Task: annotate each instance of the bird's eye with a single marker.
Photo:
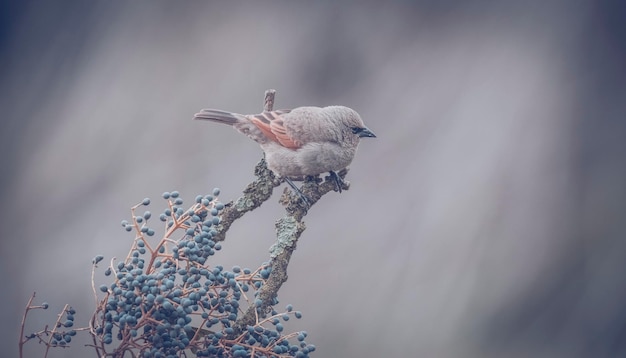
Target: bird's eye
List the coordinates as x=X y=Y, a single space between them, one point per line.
x=356 y=130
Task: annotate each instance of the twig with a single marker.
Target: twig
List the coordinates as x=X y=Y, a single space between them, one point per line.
x=22 y=341
x=93 y=284
x=57 y=324
x=268 y=103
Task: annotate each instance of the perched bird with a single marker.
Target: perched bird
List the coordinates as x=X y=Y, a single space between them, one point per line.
x=304 y=141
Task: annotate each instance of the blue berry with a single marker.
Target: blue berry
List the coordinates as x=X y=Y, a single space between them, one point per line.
x=97 y=259
x=216 y=192
x=265 y=273
x=45 y=305
x=166 y=195
x=174 y=194
x=146 y=201
x=107 y=339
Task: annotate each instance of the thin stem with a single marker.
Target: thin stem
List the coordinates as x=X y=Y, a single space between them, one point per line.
x=22 y=341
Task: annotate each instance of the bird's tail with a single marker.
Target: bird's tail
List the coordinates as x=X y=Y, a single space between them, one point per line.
x=216 y=115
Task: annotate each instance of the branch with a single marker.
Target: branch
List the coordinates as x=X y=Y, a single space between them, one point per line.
x=255 y=194
x=28 y=307
x=288 y=228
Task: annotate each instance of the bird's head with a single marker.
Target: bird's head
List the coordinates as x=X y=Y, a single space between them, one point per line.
x=352 y=122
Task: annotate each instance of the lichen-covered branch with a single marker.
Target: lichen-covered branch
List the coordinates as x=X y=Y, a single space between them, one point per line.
x=255 y=194
x=288 y=231
x=288 y=228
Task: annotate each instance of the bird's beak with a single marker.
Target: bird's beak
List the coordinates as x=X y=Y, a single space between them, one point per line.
x=366 y=133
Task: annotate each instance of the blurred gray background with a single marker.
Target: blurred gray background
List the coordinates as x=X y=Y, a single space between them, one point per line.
x=486 y=220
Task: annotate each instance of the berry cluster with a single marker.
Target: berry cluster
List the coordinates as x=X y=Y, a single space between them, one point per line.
x=63 y=337
x=61 y=333
x=166 y=300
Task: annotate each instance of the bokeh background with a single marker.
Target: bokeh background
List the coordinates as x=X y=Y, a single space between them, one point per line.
x=486 y=220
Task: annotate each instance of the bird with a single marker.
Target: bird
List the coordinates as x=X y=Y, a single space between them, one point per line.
x=300 y=142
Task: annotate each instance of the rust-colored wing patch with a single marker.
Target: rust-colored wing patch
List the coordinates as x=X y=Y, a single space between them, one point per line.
x=264 y=126
x=281 y=134
x=271 y=124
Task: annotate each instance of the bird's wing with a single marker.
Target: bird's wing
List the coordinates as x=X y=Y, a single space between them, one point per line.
x=271 y=124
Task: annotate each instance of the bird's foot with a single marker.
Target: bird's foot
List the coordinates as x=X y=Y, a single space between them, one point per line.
x=299 y=192
x=339 y=183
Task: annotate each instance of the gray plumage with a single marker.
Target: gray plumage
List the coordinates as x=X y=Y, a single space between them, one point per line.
x=302 y=141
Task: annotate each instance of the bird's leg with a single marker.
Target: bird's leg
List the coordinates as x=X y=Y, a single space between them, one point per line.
x=298 y=191
x=337 y=179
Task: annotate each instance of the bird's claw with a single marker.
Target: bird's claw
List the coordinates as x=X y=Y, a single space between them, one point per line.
x=339 y=183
